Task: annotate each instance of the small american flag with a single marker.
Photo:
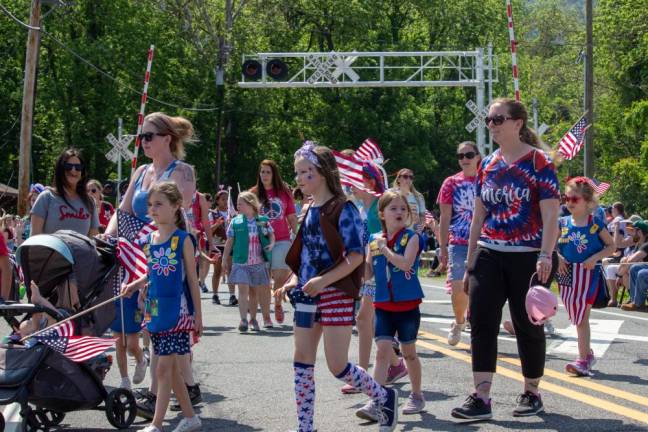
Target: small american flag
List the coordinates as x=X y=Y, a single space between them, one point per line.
x=574 y=139
x=132 y=258
x=77 y=348
x=369 y=150
x=351 y=172
x=599 y=187
x=574 y=286
x=132 y=228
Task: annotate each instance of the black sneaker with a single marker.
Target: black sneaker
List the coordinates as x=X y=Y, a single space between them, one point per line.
x=203 y=287
x=528 y=404
x=194 y=395
x=474 y=408
x=233 y=301
x=216 y=299
x=146 y=406
x=388 y=413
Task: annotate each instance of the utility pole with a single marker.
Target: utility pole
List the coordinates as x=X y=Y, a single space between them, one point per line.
x=589 y=92
x=223 y=56
x=27 y=116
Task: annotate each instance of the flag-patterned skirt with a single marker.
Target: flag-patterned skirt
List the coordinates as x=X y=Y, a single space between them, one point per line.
x=578 y=288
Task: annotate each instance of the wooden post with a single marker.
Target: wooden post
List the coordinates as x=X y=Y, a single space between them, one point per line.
x=27 y=117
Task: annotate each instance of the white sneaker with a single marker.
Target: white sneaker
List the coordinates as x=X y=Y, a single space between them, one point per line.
x=189 y=424
x=140 y=371
x=125 y=383
x=149 y=428
x=454 y=335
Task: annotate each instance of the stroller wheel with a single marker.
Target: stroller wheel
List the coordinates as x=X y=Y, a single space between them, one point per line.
x=35 y=422
x=121 y=408
x=49 y=417
x=2 y=423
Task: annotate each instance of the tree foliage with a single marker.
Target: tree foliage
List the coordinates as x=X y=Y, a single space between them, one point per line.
x=78 y=105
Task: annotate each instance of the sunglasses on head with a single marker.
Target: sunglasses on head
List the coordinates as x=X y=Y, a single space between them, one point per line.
x=572 y=199
x=407 y=176
x=467 y=155
x=148 y=136
x=496 y=119
x=70 y=166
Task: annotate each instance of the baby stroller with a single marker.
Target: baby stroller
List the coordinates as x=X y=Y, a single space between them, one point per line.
x=72 y=272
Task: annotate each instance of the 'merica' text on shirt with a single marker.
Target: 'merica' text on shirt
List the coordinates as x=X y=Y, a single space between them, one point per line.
x=506 y=193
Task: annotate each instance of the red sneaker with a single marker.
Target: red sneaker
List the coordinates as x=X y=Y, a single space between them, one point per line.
x=279 y=313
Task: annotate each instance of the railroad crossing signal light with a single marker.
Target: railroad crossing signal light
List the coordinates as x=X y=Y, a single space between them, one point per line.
x=252 y=70
x=276 y=69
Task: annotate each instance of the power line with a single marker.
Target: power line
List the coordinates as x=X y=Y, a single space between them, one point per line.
x=10 y=15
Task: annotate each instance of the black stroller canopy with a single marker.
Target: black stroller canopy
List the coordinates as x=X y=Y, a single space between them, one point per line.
x=48 y=259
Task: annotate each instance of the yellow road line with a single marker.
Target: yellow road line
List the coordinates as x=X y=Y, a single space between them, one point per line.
x=563 y=391
x=576 y=381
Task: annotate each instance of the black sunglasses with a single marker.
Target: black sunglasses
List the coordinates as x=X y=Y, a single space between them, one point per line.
x=70 y=166
x=92 y=190
x=497 y=119
x=467 y=155
x=148 y=136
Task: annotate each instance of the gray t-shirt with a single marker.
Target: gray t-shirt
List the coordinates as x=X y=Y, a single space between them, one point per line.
x=59 y=215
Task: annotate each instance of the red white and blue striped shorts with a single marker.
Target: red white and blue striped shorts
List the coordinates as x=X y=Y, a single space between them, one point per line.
x=335 y=308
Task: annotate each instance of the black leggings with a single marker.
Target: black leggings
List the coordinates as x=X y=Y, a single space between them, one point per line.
x=497 y=277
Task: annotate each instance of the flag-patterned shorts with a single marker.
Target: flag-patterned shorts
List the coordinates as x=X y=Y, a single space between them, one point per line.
x=331 y=308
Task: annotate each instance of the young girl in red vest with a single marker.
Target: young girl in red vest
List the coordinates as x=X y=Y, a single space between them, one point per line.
x=393 y=260
x=251 y=238
x=172 y=302
x=327 y=260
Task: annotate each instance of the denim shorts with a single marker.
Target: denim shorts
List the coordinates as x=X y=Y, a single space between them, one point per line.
x=457 y=255
x=279 y=252
x=404 y=324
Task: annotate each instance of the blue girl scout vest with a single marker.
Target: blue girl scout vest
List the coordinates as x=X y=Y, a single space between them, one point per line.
x=167 y=282
x=404 y=286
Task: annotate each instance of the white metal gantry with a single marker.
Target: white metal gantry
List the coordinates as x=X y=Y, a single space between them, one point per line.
x=379 y=69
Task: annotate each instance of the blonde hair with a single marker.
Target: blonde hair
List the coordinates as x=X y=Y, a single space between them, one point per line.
x=171 y=192
x=96 y=183
x=396 y=184
x=385 y=200
x=250 y=199
x=178 y=128
x=581 y=186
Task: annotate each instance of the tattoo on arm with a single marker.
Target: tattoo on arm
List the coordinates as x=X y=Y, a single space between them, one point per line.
x=187 y=173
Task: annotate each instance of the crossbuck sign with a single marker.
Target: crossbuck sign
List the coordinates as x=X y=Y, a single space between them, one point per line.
x=480 y=116
x=120 y=148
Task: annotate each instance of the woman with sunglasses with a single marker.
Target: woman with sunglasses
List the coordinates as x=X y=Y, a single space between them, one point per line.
x=456 y=201
x=163 y=139
x=66 y=205
x=106 y=209
x=404 y=183
x=511 y=246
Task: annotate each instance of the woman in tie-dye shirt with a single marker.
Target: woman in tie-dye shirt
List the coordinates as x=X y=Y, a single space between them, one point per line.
x=511 y=244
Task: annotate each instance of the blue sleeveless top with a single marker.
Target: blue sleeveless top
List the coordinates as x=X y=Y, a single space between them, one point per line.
x=577 y=244
x=140 y=197
x=167 y=283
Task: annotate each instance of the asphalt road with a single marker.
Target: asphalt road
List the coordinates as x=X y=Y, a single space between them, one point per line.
x=246 y=379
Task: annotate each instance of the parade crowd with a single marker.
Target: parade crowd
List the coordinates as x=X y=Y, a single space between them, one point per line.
x=339 y=256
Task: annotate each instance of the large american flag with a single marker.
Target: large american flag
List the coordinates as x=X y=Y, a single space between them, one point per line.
x=369 y=150
x=131 y=227
x=351 y=172
x=77 y=348
x=131 y=231
x=572 y=142
x=574 y=286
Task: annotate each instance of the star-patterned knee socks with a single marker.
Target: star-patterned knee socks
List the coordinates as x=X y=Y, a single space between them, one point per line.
x=359 y=379
x=305 y=395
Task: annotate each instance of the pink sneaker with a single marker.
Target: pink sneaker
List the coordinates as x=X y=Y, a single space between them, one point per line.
x=578 y=368
x=591 y=360
x=394 y=373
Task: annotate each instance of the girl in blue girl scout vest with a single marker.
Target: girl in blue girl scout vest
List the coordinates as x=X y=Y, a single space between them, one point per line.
x=393 y=260
x=251 y=237
x=172 y=301
x=583 y=239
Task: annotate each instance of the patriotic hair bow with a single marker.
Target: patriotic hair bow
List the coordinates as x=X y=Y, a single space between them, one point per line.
x=307 y=151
